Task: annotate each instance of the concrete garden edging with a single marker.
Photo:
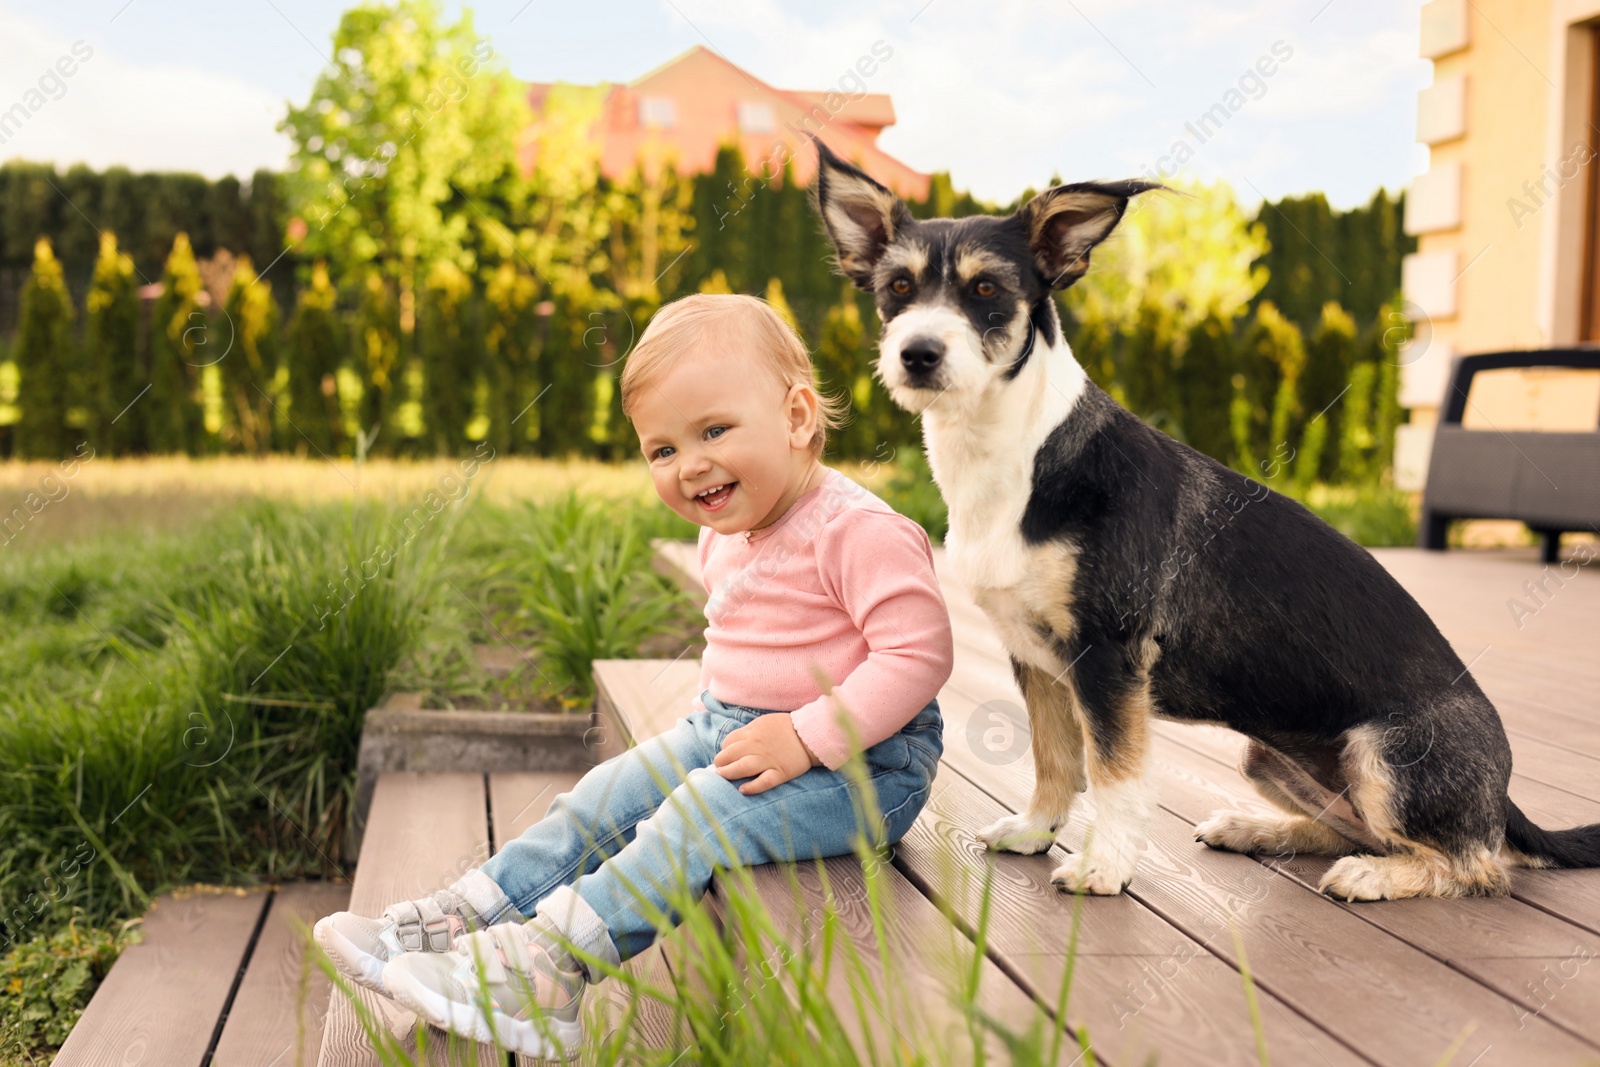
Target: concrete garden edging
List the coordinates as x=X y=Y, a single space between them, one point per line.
x=401 y=735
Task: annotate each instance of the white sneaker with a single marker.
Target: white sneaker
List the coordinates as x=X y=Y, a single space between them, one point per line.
x=510 y=984
x=360 y=946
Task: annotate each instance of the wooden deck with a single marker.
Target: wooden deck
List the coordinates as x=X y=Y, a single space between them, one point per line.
x=1472 y=983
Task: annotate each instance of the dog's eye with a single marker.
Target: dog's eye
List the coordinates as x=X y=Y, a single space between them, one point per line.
x=984 y=289
x=900 y=286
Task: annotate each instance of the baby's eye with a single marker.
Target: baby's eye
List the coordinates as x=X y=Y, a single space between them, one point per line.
x=716 y=428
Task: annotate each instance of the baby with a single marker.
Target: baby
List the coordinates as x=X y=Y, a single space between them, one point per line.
x=810 y=575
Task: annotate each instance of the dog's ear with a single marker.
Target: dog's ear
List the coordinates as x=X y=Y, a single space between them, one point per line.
x=861 y=216
x=1065 y=222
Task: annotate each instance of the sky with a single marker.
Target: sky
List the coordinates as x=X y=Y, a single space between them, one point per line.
x=1004 y=95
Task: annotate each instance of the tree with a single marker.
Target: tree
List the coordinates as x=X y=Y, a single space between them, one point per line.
x=178 y=329
x=1316 y=254
x=1271 y=359
x=377 y=341
x=1145 y=364
x=404 y=133
x=44 y=356
x=450 y=357
x=1391 y=331
x=511 y=343
x=841 y=369
x=566 y=235
x=316 y=348
x=1176 y=260
x=29 y=209
x=266 y=244
x=1185 y=255
x=1301 y=257
x=252 y=361
x=720 y=223
x=1330 y=357
x=944 y=202
x=1205 y=388
x=111 y=340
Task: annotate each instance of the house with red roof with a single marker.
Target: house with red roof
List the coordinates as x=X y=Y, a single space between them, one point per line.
x=685 y=109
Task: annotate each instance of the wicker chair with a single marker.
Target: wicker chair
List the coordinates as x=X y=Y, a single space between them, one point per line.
x=1551 y=481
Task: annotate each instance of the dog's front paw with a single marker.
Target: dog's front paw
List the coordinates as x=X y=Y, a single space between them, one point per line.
x=1096 y=877
x=1231 y=831
x=1023 y=833
x=1357 y=878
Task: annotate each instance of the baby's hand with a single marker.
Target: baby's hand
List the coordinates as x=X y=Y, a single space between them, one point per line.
x=767 y=750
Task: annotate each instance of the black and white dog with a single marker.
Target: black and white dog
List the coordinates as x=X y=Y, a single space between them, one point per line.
x=1128 y=576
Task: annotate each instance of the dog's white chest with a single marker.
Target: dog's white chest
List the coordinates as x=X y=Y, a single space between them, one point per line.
x=983 y=463
x=1025 y=590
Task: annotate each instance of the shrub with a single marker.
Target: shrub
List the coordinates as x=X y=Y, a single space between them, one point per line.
x=913 y=493
x=1372 y=515
x=47 y=983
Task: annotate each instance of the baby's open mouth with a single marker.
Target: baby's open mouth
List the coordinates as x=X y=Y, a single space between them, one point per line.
x=718 y=498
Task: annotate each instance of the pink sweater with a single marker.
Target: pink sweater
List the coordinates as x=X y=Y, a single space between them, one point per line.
x=843 y=582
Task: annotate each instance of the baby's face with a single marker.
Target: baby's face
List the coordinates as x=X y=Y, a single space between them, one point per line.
x=711 y=421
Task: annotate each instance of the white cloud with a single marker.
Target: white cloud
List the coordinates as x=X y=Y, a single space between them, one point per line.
x=1208 y=22
x=1347 y=77
x=147 y=117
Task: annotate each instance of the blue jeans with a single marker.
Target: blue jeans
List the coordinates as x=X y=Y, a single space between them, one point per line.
x=622 y=827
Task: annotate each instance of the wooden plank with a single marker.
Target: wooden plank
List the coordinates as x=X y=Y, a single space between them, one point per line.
x=1572 y=895
x=423 y=832
x=645 y=697
x=910 y=1003
x=1562 y=726
x=277 y=1015
x=680 y=561
x=517 y=801
x=1142 y=987
x=161 y=1000
x=1502 y=943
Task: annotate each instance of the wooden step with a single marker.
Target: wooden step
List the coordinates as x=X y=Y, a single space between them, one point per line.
x=680 y=561
x=277 y=1017
x=162 y=999
x=423 y=832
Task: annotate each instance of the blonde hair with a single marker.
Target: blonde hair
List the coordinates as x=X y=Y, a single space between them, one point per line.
x=703 y=320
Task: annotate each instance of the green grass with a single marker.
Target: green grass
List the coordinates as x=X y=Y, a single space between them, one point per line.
x=573 y=579
x=186 y=707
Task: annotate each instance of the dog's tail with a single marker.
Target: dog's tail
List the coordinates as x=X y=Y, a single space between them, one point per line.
x=1577 y=847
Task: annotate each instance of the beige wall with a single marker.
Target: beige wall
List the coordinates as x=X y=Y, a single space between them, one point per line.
x=1499 y=258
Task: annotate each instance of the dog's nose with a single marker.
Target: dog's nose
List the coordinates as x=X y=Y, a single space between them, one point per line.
x=922 y=354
